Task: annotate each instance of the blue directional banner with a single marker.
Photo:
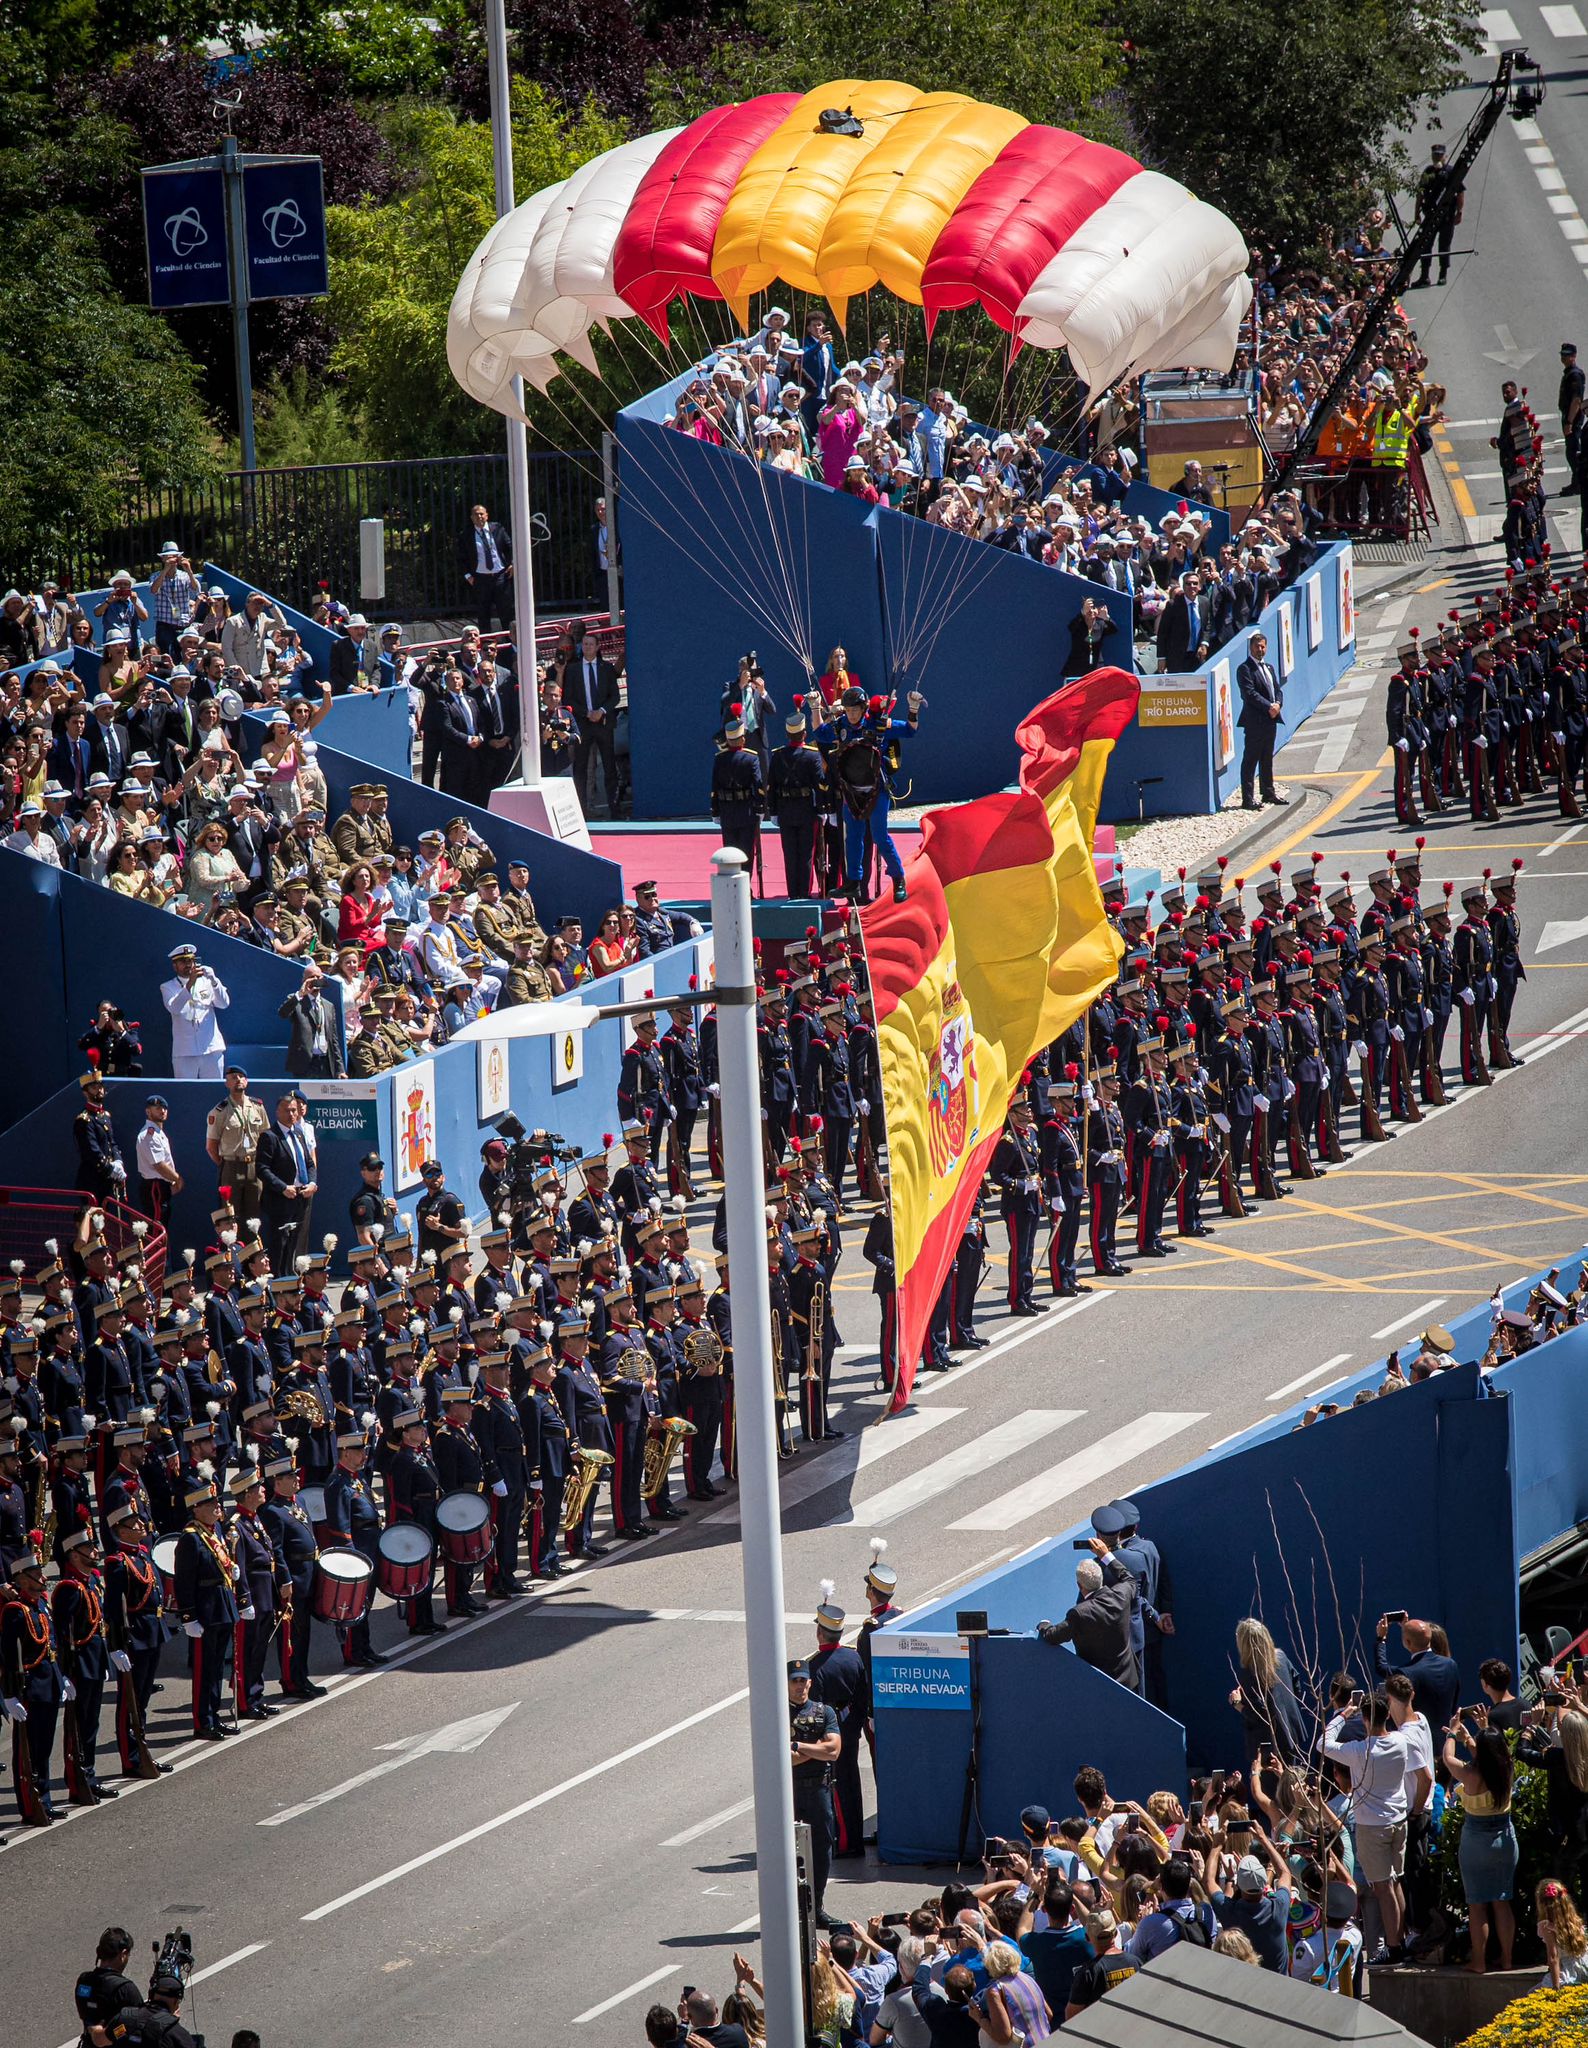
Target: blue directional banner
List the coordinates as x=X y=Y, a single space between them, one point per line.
x=184 y=224
x=284 y=226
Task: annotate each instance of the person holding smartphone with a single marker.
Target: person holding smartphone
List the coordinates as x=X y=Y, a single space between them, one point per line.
x=175 y=591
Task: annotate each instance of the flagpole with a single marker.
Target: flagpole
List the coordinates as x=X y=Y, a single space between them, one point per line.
x=760 y=1525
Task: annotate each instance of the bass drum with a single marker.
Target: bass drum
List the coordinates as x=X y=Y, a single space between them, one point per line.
x=341 y=1589
x=163 y=1551
x=407 y=1561
x=463 y=1527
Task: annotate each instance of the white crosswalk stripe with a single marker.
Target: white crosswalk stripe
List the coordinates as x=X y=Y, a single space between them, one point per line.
x=836 y=1468
x=996 y=1446
x=1085 y=1468
x=1496 y=25
x=1563 y=21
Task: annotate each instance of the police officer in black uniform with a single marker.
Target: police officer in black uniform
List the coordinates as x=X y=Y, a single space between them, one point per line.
x=814 y=1746
x=106 y=1989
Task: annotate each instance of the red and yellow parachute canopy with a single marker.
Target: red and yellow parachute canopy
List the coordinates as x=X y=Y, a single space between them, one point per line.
x=942 y=200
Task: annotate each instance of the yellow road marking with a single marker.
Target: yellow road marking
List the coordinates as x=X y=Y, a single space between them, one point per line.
x=1340 y=1284
x=1405 y=1230
x=1331 y=809
x=1439 y=583
x=1479 y=1185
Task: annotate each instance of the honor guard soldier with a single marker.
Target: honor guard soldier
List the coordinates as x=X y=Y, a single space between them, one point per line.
x=795 y=792
x=136 y=1628
x=263 y=1587
x=546 y=1453
x=285 y=1516
x=1505 y=931
x=692 y=1350
x=1404 y=716
x=814 y=1745
x=877 y=1251
x=206 y=1598
x=807 y=1297
x=1064 y=1181
x=686 y=1090
x=353 y=1518
x=635 y=1187
x=460 y=1469
x=499 y=1433
x=1105 y=1172
x=71 y=1495
x=1148 y=1115
x=827 y=1092
x=594 y=1215
x=1367 y=1010
x=1473 y=948
x=415 y=1491
x=625 y=1373
x=1015 y=1171
x=670 y=1372
x=1403 y=974
x=584 y=1411
x=737 y=791
x=31 y=1684
x=1439 y=992
x=882 y=1583
x=1188 y=1119
x=642 y=1085
x=779 y=1088
x=839 y=1680
x=101 y=1172
x=78 y=1612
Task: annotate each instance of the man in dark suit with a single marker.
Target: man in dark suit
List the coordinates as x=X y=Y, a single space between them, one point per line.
x=485 y=555
x=285 y=1163
x=591 y=689
x=314 y=1047
x=1180 y=630
x=347 y=655
x=462 y=741
x=71 y=756
x=251 y=832
x=1262 y=703
x=496 y=701
x=110 y=745
x=1099 y=1622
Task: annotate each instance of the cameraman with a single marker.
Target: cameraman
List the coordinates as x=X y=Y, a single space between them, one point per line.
x=155 y=2020
x=106 y=1989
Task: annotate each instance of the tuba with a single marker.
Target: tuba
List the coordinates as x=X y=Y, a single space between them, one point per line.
x=666 y=1435
x=588 y=1465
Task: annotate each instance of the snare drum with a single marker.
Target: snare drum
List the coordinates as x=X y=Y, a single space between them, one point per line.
x=312 y=1501
x=463 y=1527
x=163 y=1551
x=341 y=1589
x=407 y=1561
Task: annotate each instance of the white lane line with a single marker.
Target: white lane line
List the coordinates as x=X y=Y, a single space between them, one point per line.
x=239 y=1955
x=704 y=1827
x=745 y=1926
x=1004 y=1440
x=630 y=1991
x=1495 y=25
x=1414 y=1315
x=502 y=1820
x=1563 y=21
x=1307 y=1378
x=1084 y=1469
x=864 y=1448
x=1023 y=1335
x=1565 y=839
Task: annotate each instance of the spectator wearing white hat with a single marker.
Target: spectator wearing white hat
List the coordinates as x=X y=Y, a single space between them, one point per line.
x=123 y=608
x=30 y=837
x=246 y=635
x=175 y=591
x=355 y=658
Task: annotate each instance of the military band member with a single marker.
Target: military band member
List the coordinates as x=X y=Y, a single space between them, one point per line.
x=1064 y=1181
x=414 y=1491
x=1106 y=1171
x=1015 y=1170
x=136 y=1629
x=206 y=1579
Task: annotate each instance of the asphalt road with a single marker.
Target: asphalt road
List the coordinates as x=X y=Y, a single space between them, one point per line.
x=580 y=1841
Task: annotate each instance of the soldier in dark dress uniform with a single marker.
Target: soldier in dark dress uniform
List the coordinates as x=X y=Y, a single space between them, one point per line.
x=826 y=1090
x=206 y=1601
x=546 y=1453
x=77 y=1610
x=292 y=1533
x=1064 y=1181
x=136 y=1627
x=737 y=790
x=1015 y=1170
x=584 y=1411
x=795 y=788
x=414 y=1490
x=1148 y=1115
x=499 y=1433
x=460 y=1469
x=839 y=1680
x=31 y=1676
x=686 y=1089
x=263 y=1586
x=1505 y=930
x=1105 y=1172
x=352 y=1516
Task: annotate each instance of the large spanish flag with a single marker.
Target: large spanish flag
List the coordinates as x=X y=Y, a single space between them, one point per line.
x=1000 y=945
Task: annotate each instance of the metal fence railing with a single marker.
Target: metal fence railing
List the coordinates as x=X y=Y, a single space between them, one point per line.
x=293 y=530
x=33 y=1220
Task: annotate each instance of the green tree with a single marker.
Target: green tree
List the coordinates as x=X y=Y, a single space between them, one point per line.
x=394 y=268
x=96 y=396
x=1285 y=116
x=1055 y=62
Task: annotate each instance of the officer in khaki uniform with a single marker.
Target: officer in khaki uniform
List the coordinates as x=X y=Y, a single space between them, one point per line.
x=353 y=834
x=297 y=913
x=527 y=980
x=495 y=924
x=368 y=1054
x=231 y=1138
x=399 y=1046
x=517 y=901
x=469 y=858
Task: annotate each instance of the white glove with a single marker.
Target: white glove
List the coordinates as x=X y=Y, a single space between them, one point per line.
x=1160 y=1139
x=1359 y=1050
x=1057 y=1205
x=1222 y=1121
x=1088 y=1093
x=713 y=1089
x=864 y=1107
x=1527 y=718
x=1403 y=746
x=763 y=1116
x=1290 y=1090
x=1397 y=1034
x=1428 y=1017
x=1481 y=741
x=1559 y=738
x=672 y=1115
x=1451 y=722
x=15 y=1710
x=1032 y=1185
x=120 y=1661
x=193 y=1628
x=1468 y=997
x=499 y=1488
x=247 y=1612
x=71 y=1688
x=1494 y=987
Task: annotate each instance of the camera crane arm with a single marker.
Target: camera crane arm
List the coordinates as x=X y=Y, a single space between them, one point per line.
x=1507 y=92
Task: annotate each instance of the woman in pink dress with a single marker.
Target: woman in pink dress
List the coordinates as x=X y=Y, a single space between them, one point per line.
x=838 y=427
